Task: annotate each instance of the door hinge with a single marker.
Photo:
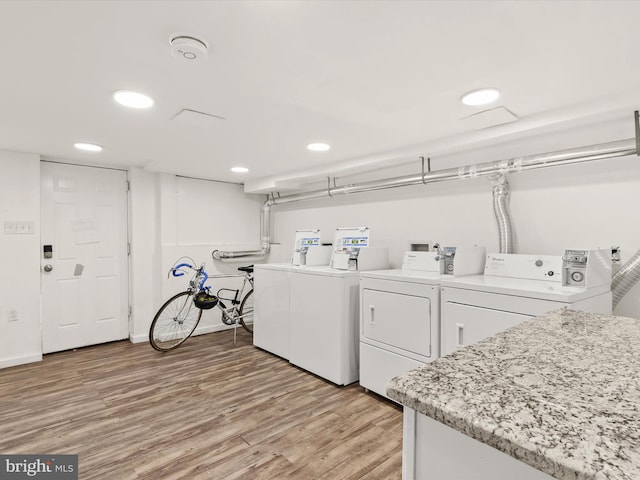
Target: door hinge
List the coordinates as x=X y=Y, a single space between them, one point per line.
x=128 y=248
x=130 y=311
x=128 y=186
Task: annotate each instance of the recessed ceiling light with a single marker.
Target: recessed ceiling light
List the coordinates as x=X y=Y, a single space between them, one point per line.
x=88 y=147
x=239 y=169
x=481 y=96
x=132 y=99
x=318 y=147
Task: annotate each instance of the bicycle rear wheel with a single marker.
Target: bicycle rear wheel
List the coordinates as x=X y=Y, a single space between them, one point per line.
x=175 y=322
x=246 y=312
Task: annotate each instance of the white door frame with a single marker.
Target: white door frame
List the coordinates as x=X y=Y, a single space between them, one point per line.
x=124 y=330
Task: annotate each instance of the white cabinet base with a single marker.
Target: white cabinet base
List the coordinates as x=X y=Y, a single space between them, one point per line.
x=434 y=451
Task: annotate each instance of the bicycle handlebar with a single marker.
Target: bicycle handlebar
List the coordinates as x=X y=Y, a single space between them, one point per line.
x=178 y=273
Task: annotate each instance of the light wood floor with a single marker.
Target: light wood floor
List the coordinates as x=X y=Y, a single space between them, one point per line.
x=209 y=410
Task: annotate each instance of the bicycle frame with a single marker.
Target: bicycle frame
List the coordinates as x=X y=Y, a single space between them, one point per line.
x=230 y=315
x=178 y=317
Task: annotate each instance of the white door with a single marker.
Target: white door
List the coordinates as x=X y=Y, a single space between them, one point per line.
x=85 y=280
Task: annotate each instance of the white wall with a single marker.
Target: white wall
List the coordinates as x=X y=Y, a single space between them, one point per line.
x=169 y=217
x=580 y=206
x=144 y=264
x=20 y=339
x=172 y=217
x=586 y=205
x=395 y=217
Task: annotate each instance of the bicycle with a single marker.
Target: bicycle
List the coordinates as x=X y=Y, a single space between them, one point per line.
x=179 y=316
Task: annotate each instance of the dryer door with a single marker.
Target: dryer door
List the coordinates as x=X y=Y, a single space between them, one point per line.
x=467 y=324
x=402 y=321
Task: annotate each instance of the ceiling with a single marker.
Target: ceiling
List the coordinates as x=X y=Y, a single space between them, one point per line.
x=380 y=81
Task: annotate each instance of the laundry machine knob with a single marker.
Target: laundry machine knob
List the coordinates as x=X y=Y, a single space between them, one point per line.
x=577 y=277
x=539 y=263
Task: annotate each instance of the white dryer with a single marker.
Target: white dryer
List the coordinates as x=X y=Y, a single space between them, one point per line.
x=515 y=288
x=400 y=314
x=399 y=322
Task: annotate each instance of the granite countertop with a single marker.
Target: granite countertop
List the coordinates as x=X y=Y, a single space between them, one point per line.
x=560 y=392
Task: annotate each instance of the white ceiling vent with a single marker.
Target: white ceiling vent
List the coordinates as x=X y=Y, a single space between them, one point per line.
x=196 y=118
x=489 y=118
x=188 y=47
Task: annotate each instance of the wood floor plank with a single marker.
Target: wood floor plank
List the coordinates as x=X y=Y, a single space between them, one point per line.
x=210 y=410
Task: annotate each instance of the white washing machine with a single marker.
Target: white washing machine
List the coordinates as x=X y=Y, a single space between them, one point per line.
x=308 y=314
x=271 y=315
x=515 y=288
x=271 y=292
x=324 y=307
x=400 y=313
x=324 y=322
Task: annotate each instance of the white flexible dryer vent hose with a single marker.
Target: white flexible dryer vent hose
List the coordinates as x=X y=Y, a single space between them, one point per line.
x=501 y=210
x=626 y=278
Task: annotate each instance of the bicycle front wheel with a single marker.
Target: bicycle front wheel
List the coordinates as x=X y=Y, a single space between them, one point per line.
x=246 y=312
x=175 y=322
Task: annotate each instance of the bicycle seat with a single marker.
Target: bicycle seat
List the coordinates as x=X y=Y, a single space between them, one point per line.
x=247 y=269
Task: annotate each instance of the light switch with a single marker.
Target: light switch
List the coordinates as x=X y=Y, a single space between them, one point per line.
x=25 y=227
x=9 y=228
x=19 y=228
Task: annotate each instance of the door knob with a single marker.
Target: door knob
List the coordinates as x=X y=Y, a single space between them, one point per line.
x=48 y=267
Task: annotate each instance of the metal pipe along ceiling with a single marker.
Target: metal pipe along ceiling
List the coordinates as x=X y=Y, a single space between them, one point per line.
x=564 y=157
x=514 y=165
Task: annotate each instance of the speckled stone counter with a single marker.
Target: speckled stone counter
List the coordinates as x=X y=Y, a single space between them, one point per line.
x=559 y=392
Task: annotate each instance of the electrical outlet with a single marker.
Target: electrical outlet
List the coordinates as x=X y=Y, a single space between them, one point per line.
x=12 y=315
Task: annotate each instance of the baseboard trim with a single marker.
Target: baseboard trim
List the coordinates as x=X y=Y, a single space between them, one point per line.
x=139 y=338
x=21 y=360
x=200 y=330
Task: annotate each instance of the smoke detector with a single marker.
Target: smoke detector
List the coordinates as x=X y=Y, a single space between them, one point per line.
x=188 y=47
